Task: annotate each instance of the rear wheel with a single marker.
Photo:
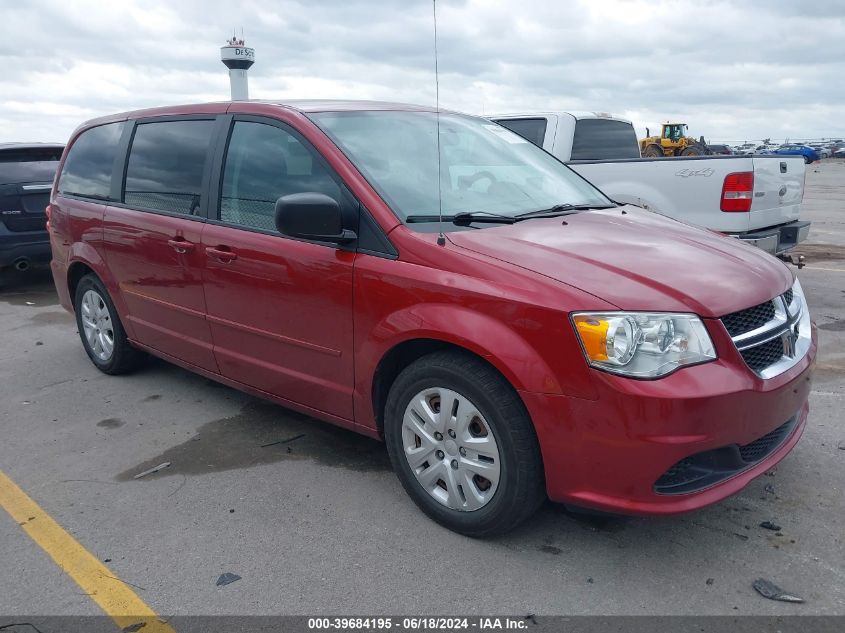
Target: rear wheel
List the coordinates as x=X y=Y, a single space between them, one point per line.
x=462 y=444
x=100 y=329
x=807 y=160
x=653 y=151
x=693 y=150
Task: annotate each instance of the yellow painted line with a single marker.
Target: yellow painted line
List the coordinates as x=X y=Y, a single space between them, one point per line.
x=831 y=270
x=111 y=594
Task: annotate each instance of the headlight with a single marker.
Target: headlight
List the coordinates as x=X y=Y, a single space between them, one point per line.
x=641 y=344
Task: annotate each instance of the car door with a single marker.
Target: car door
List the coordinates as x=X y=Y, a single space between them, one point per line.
x=279 y=309
x=152 y=237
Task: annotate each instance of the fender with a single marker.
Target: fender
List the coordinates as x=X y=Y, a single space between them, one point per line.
x=503 y=347
x=639 y=195
x=85 y=253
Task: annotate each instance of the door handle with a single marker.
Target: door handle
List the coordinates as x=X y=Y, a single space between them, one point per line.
x=221 y=254
x=180 y=245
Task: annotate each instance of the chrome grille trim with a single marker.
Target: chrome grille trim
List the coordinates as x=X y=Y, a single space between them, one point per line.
x=791 y=323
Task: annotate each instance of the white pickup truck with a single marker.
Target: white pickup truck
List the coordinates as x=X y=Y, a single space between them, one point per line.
x=754 y=198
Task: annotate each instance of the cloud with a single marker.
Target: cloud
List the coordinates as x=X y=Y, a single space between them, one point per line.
x=732 y=70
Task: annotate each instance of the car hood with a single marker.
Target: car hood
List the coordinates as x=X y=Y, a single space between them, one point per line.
x=637 y=260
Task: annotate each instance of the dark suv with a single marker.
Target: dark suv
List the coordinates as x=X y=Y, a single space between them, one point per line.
x=26 y=177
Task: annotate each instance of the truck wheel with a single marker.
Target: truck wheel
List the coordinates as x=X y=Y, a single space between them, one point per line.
x=653 y=151
x=693 y=150
x=100 y=329
x=462 y=444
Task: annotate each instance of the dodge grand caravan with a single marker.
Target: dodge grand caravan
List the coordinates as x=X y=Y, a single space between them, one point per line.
x=438 y=282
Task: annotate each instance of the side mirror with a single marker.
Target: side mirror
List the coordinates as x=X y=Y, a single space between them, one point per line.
x=312 y=216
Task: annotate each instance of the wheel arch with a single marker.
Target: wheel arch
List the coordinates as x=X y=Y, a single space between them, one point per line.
x=512 y=358
x=75 y=272
x=402 y=355
x=85 y=259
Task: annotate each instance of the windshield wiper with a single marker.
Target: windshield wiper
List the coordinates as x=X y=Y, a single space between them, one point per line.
x=562 y=209
x=464 y=219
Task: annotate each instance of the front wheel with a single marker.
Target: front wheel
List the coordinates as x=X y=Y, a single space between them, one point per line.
x=462 y=444
x=807 y=160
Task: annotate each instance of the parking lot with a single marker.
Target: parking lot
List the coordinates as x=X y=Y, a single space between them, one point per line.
x=318 y=524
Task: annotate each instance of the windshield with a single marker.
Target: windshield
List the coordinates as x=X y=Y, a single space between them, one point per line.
x=484 y=167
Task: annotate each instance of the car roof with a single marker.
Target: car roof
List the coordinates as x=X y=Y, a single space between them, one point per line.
x=346 y=105
x=31 y=146
x=300 y=105
x=575 y=114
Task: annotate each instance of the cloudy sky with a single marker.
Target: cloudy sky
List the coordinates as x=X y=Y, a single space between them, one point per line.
x=735 y=70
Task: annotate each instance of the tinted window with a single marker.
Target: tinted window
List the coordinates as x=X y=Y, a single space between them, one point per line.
x=601 y=139
x=264 y=163
x=88 y=167
x=533 y=130
x=30 y=155
x=166 y=163
x=28 y=164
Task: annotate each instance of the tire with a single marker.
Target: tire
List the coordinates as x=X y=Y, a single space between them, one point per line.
x=491 y=422
x=807 y=160
x=693 y=150
x=653 y=151
x=101 y=331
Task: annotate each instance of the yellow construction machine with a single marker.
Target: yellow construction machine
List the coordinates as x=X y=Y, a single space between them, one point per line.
x=673 y=141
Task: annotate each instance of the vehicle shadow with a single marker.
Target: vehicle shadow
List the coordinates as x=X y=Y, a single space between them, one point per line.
x=31 y=287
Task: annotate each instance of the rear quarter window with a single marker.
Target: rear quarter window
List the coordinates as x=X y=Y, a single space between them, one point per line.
x=604 y=139
x=532 y=130
x=87 y=171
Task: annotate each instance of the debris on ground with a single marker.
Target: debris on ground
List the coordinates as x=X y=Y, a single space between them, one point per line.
x=768 y=525
x=770 y=489
x=841 y=446
x=134 y=628
x=287 y=441
x=227 y=578
x=155 y=469
x=709 y=581
x=771 y=591
x=530 y=618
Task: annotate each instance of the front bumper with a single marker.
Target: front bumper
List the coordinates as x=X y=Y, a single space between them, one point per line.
x=610 y=453
x=778 y=239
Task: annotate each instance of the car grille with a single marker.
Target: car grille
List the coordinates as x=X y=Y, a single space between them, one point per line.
x=708 y=468
x=750 y=319
x=761 y=447
x=764 y=355
x=762 y=333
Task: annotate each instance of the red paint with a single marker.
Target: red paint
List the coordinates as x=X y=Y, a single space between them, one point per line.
x=306 y=325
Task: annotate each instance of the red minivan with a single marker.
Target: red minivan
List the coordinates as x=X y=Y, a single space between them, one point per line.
x=437 y=281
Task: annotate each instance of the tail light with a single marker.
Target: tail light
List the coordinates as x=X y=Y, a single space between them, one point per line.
x=48 y=211
x=738 y=191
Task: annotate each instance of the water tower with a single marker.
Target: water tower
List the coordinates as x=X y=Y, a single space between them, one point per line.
x=238 y=58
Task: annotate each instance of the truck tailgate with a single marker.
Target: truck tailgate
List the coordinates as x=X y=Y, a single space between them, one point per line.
x=778 y=191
